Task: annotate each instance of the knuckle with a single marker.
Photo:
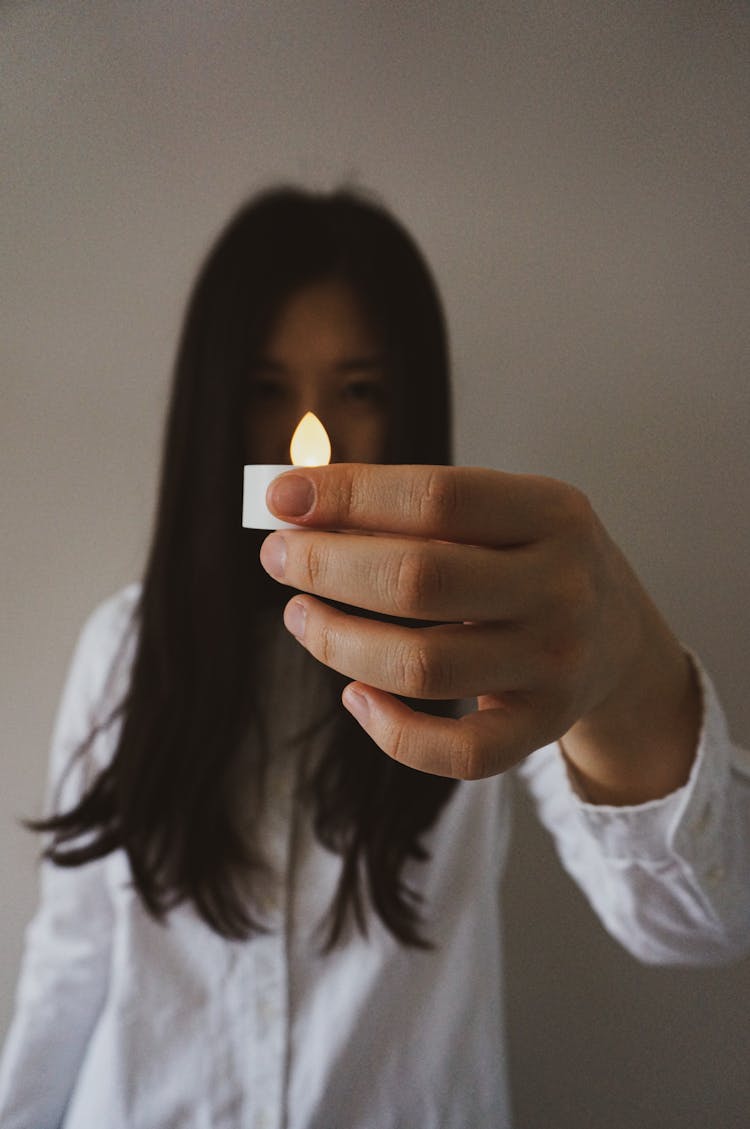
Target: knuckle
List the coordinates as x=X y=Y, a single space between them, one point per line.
x=347 y=498
x=314 y=564
x=569 y=509
x=416 y=670
x=438 y=500
x=326 y=645
x=468 y=758
x=568 y=601
x=577 y=593
x=577 y=511
x=340 y=495
x=417 y=582
x=398 y=746
x=563 y=655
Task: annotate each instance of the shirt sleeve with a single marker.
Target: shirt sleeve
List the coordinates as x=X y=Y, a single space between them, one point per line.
x=669 y=879
x=65 y=965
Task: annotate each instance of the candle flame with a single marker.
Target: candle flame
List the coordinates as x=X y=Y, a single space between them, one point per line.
x=310 y=444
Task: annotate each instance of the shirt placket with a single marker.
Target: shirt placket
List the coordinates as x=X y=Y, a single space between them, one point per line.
x=268 y=1031
x=269 y=1036
x=286 y=718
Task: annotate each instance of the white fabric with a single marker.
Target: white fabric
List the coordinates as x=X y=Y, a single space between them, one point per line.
x=122 y=1022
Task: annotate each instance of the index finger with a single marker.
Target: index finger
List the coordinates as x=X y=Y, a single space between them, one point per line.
x=472 y=505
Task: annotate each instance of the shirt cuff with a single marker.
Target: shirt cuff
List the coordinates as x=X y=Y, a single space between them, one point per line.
x=687 y=822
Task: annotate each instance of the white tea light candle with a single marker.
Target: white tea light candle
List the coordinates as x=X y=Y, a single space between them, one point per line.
x=310 y=446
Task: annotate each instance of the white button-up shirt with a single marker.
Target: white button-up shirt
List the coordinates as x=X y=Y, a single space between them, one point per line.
x=124 y=1022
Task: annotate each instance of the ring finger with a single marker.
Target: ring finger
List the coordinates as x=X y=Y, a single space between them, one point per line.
x=453 y=660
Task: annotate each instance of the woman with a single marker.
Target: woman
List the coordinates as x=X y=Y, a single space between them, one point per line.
x=249 y=914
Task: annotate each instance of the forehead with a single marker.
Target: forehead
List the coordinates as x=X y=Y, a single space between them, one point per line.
x=327 y=318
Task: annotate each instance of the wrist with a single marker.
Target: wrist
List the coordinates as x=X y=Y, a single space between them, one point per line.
x=639 y=744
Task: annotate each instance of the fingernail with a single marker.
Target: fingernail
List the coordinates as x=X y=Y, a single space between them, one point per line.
x=295 y=615
x=273 y=556
x=292 y=495
x=357 y=704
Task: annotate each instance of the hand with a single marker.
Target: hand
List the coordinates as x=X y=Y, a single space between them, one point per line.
x=536 y=614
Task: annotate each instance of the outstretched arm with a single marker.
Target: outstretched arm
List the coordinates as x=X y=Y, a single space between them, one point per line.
x=531 y=608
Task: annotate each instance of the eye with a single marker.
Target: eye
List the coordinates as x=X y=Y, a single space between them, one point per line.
x=265 y=390
x=364 y=391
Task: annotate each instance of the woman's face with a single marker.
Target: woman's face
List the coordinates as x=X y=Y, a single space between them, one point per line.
x=322 y=355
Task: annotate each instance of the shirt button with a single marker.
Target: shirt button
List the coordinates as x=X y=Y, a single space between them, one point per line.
x=715 y=874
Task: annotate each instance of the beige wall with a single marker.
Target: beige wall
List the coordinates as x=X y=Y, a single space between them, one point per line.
x=578 y=178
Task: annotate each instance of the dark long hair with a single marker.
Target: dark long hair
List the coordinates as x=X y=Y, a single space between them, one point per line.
x=164 y=796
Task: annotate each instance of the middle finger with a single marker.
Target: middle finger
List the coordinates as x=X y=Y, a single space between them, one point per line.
x=408 y=577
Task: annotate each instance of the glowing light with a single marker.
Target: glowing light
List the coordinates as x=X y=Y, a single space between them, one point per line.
x=310 y=444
